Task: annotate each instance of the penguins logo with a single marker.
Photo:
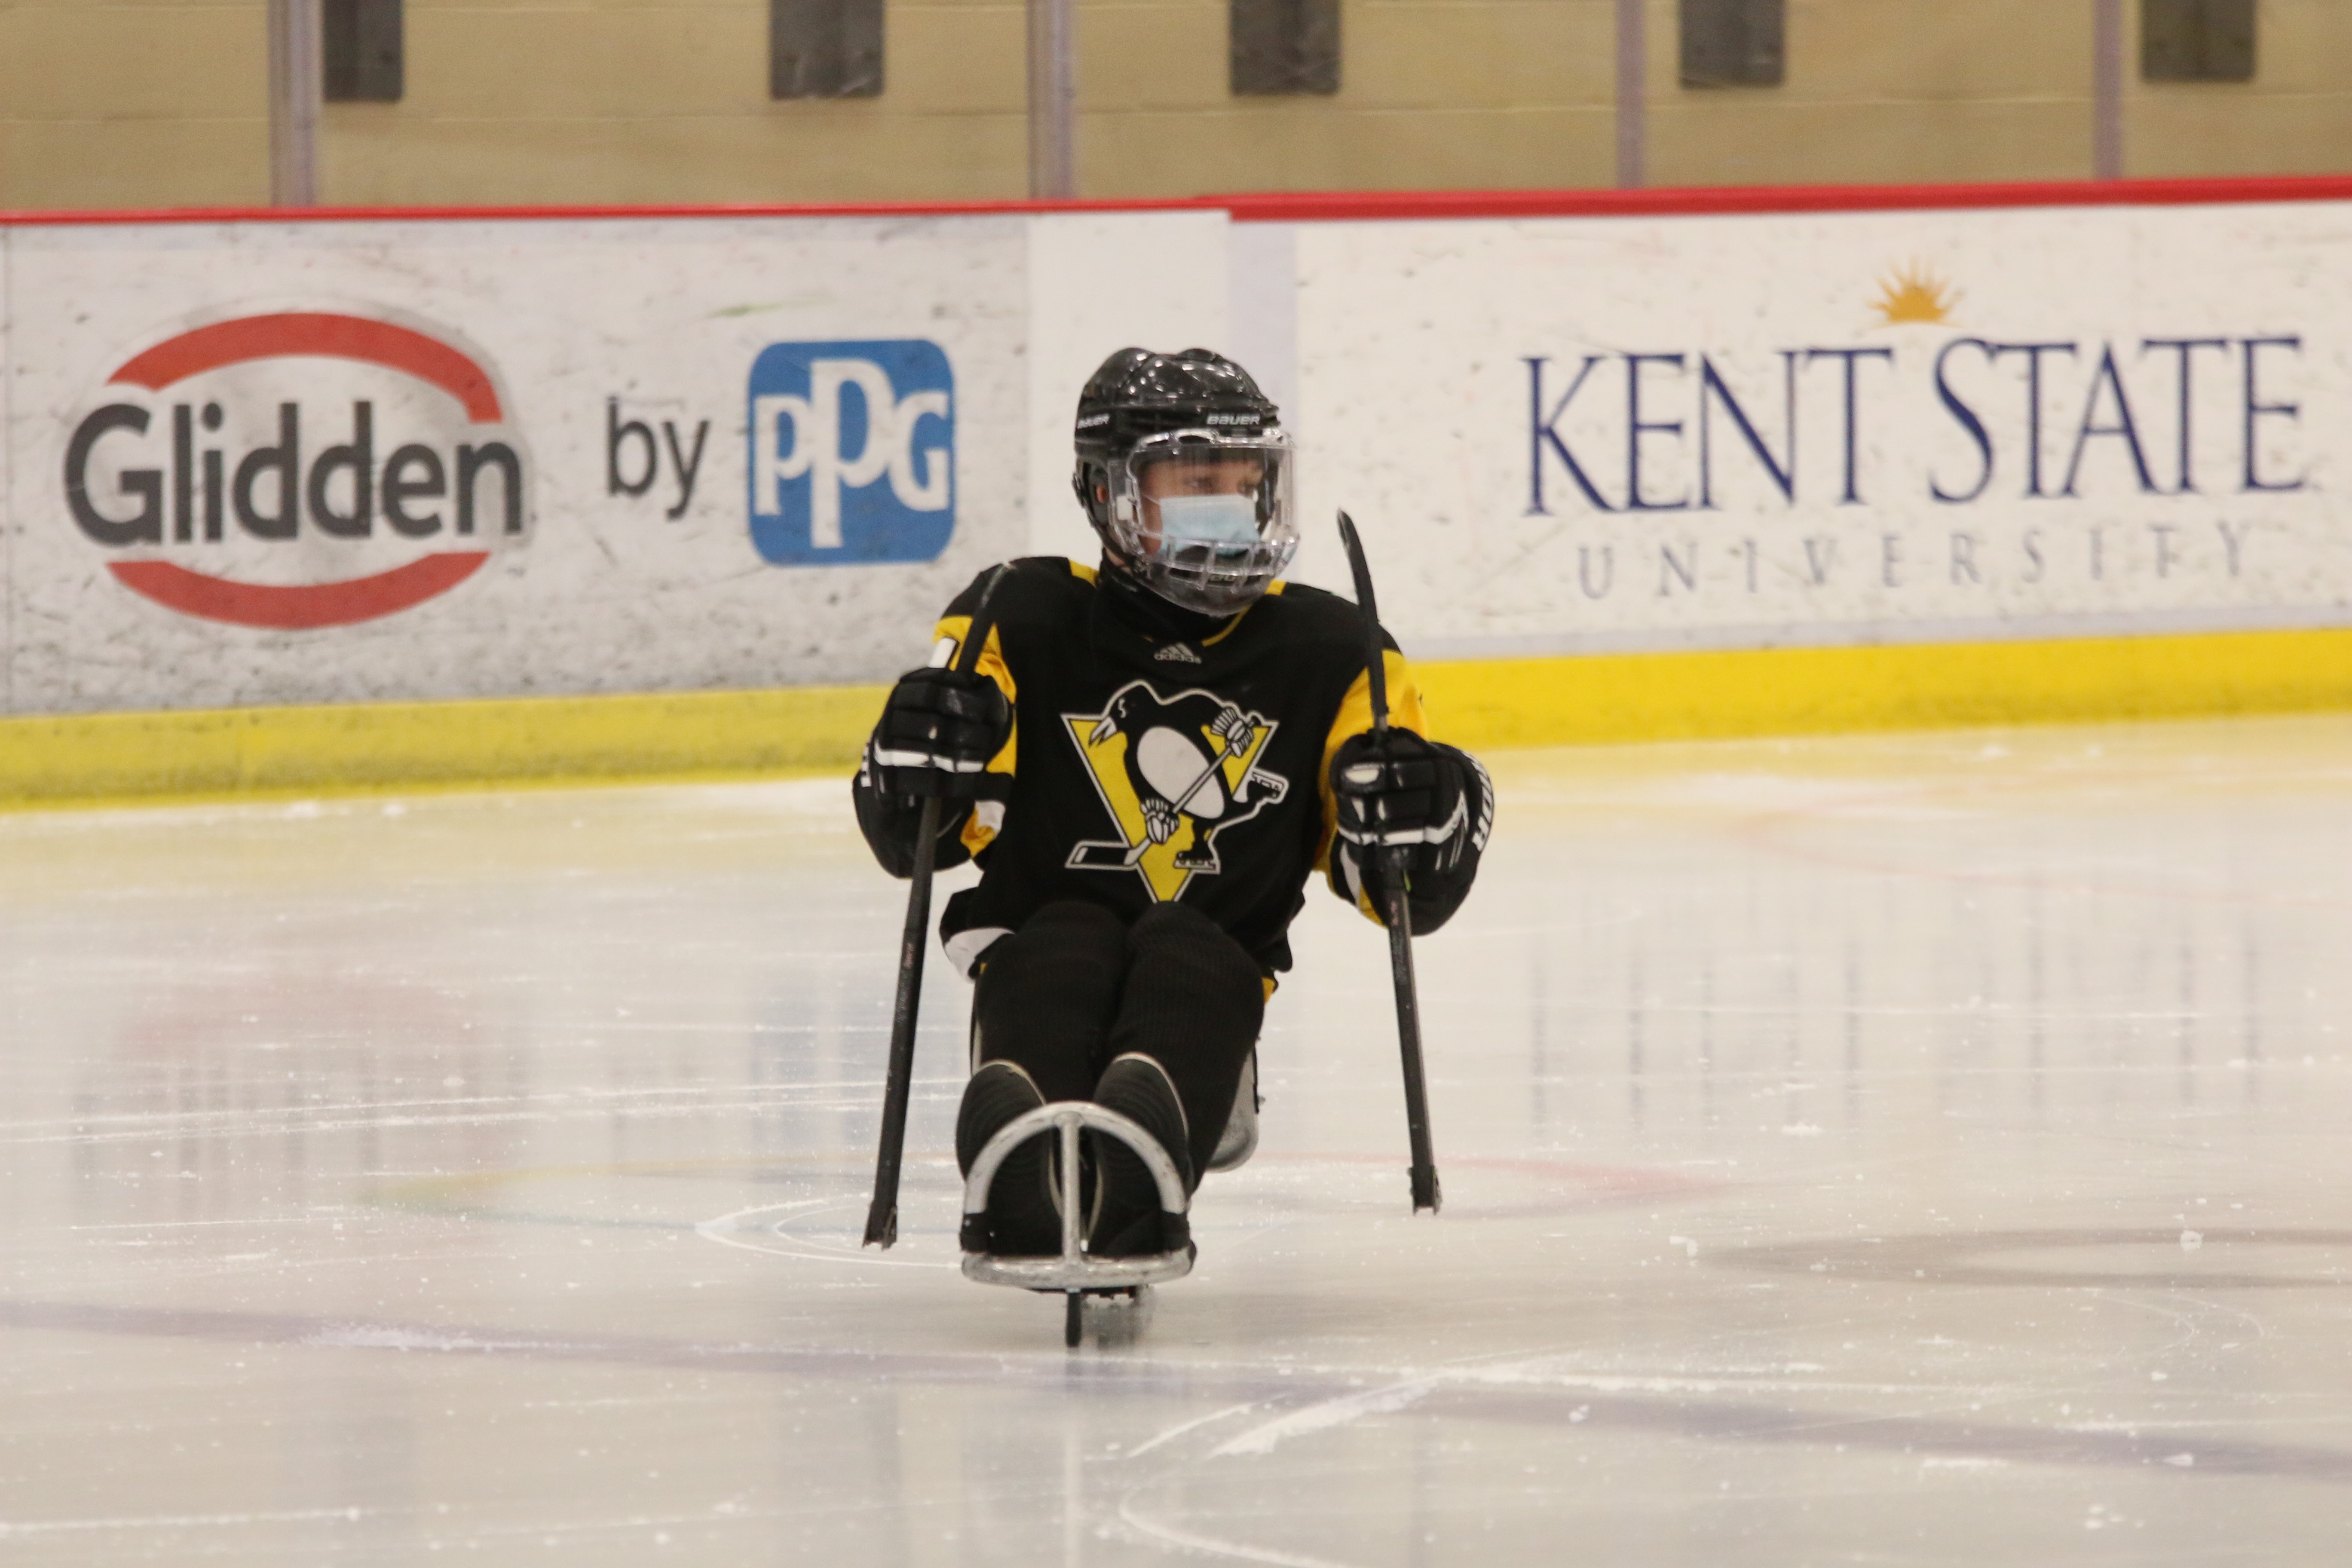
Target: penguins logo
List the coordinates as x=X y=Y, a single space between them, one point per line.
x=1173 y=773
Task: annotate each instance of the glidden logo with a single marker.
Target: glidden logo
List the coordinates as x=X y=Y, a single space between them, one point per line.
x=213 y=466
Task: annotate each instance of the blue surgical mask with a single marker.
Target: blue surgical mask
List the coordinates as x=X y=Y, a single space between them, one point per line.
x=1208 y=519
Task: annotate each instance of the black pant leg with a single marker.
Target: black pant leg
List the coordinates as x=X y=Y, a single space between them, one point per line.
x=1193 y=1002
x=1047 y=993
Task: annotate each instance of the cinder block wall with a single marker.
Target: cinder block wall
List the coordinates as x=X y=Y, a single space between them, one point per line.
x=1894 y=91
x=1434 y=94
x=1885 y=92
x=128 y=103
x=667 y=100
x=120 y=103
x=2294 y=117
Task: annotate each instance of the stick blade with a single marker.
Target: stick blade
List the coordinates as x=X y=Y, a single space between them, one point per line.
x=881 y=1224
x=1425 y=1193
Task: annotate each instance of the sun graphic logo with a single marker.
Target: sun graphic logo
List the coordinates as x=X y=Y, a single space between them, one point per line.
x=1913 y=295
x=1174 y=773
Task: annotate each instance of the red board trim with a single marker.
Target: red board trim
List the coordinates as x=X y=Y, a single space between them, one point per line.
x=562 y=213
x=326 y=337
x=1743 y=200
x=1347 y=205
x=306 y=607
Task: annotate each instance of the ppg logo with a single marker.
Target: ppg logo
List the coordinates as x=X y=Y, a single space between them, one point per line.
x=853 y=453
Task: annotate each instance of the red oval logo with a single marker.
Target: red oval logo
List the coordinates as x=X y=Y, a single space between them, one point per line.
x=283 y=471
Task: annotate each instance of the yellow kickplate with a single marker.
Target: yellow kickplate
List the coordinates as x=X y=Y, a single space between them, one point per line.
x=1482 y=704
x=371 y=748
x=1498 y=703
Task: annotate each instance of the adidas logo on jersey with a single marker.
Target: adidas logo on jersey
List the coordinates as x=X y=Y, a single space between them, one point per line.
x=1177 y=653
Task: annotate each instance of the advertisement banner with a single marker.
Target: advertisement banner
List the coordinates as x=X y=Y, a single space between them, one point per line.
x=258 y=463
x=261 y=463
x=1634 y=433
x=264 y=463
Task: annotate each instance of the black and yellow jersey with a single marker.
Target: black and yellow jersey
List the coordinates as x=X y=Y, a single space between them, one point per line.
x=1146 y=766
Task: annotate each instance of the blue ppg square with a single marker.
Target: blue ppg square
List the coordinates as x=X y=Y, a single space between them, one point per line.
x=852 y=452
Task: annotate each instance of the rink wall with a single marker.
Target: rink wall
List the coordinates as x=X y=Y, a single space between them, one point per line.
x=401 y=500
x=1483 y=704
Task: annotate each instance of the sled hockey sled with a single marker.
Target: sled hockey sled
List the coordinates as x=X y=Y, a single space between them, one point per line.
x=1077 y=1272
x=1239 y=1140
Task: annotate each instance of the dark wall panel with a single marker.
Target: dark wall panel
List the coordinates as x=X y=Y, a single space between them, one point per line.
x=1282 y=47
x=363 y=49
x=1734 y=43
x=2197 y=40
x=824 y=49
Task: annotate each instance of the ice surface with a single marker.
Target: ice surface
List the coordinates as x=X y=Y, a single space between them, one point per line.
x=1824 y=1126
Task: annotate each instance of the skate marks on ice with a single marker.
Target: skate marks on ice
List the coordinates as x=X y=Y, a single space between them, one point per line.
x=2179 y=1259
x=1277 y=1192
x=1272 y=1405
x=1946 y=1169
x=829 y=1230
x=1767 y=1406
x=1188 y=1498
x=1286 y=1405
x=824 y=1226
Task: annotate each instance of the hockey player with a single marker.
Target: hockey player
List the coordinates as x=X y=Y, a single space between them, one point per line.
x=1147 y=761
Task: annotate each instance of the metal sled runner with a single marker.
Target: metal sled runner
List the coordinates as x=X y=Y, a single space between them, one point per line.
x=1075 y=1272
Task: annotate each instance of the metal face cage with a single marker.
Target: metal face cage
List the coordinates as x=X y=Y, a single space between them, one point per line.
x=1205 y=517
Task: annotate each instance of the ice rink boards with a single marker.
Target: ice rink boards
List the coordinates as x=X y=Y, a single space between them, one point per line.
x=1931 y=1149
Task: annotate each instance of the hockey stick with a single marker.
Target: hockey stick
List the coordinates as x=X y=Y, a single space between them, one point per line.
x=882 y=1214
x=1399 y=914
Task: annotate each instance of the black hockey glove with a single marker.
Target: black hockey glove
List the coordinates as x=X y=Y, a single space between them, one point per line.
x=1401 y=791
x=1407 y=798
x=937 y=732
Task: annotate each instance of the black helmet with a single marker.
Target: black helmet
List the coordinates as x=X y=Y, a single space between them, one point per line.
x=1186 y=473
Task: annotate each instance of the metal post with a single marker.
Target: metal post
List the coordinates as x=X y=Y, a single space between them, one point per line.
x=1633 y=90
x=1052 y=99
x=2107 y=90
x=296 y=64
